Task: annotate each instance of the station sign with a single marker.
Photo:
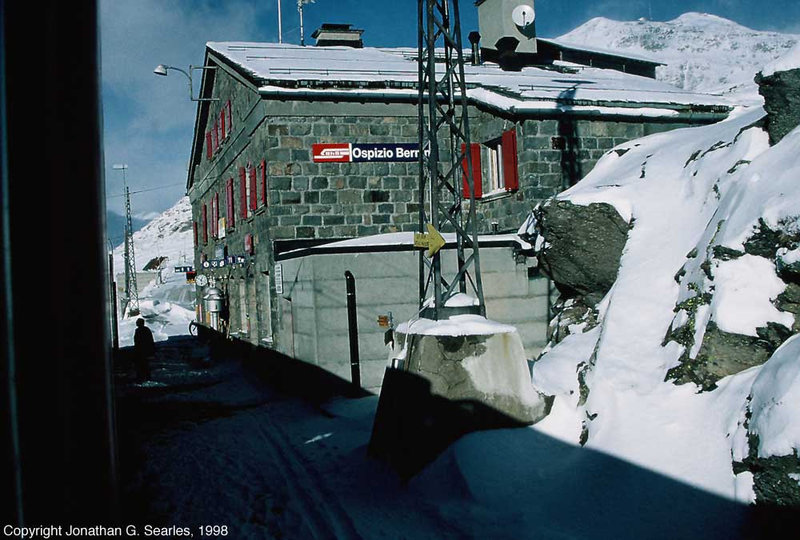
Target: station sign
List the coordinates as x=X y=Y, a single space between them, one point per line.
x=183 y=269
x=364 y=153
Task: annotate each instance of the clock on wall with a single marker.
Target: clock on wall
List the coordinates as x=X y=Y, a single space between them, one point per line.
x=201 y=280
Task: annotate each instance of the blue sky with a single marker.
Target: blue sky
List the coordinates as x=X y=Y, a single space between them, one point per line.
x=148 y=120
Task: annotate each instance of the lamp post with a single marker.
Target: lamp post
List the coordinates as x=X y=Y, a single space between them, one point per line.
x=163 y=70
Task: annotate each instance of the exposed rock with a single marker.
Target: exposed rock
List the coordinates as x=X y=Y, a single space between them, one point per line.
x=776 y=479
x=781 y=93
x=722 y=354
x=583 y=247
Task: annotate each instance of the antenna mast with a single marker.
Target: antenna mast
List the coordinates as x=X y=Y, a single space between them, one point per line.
x=131 y=288
x=443 y=121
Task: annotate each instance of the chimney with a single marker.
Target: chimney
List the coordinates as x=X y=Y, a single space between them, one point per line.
x=344 y=35
x=475 y=40
x=499 y=20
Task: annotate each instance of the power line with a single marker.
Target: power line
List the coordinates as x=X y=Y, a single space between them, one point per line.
x=145 y=190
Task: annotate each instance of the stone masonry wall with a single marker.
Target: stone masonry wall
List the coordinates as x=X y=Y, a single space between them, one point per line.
x=307 y=200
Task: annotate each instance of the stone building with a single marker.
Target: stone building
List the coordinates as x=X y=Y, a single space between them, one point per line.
x=309 y=146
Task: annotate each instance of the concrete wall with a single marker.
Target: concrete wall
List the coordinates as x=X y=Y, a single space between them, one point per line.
x=388 y=282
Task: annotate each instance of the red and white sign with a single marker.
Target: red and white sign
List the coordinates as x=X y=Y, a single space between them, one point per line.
x=332 y=152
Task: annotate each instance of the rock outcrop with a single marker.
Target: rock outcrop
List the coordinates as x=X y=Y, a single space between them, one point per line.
x=781 y=92
x=582 y=247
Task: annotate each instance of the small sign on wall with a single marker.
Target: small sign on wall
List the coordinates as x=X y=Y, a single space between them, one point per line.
x=364 y=153
x=278 y=278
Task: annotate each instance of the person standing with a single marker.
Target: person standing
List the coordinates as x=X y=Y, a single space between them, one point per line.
x=145 y=350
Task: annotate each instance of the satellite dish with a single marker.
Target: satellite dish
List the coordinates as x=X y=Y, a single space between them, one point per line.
x=523 y=16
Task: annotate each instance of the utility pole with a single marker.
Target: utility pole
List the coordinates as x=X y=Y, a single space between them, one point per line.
x=443 y=120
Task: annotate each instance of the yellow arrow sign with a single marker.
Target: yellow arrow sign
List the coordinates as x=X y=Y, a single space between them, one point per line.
x=431 y=240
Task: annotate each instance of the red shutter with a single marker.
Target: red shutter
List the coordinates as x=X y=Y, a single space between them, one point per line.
x=475 y=150
x=264 y=182
x=510 y=173
x=230 y=117
x=209 y=149
x=231 y=212
x=222 y=123
x=253 y=194
x=194 y=229
x=243 y=191
x=205 y=224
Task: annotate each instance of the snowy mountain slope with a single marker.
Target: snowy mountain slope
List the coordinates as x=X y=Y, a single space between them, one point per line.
x=702 y=52
x=168 y=235
x=696 y=198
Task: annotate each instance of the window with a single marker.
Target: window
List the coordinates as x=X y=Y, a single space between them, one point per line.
x=216 y=215
x=209 y=148
x=194 y=232
x=494 y=166
x=252 y=192
x=223 y=133
x=263 y=176
x=230 y=116
x=216 y=135
x=230 y=209
x=243 y=191
x=205 y=224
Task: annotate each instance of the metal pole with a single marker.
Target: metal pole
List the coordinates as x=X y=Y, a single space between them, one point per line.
x=113 y=297
x=300 y=9
x=280 y=24
x=352 y=327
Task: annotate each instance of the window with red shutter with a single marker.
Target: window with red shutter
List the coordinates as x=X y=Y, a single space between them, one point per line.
x=205 y=224
x=264 y=182
x=209 y=149
x=216 y=135
x=216 y=215
x=509 y=151
x=222 y=123
x=230 y=116
x=243 y=191
x=253 y=194
x=231 y=209
x=477 y=178
x=194 y=231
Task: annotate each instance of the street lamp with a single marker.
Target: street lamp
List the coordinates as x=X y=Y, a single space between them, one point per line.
x=162 y=70
x=300 y=9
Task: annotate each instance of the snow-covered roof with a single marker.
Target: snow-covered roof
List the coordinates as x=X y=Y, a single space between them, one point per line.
x=283 y=68
x=400 y=241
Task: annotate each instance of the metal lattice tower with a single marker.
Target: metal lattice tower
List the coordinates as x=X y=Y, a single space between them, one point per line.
x=131 y=288
x=443 y=121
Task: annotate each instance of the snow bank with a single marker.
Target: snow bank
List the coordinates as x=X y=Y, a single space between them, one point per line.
x=776 y=393
x=457 y=325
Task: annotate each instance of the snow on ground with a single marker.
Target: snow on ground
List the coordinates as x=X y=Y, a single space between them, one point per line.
x=680 y=190
x=702 y=52
x=167 y=309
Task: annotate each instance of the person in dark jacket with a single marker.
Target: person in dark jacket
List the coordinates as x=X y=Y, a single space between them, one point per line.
x=145 y=350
